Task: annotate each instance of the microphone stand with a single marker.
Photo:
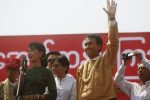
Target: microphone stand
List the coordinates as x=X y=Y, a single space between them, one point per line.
x=21 y=77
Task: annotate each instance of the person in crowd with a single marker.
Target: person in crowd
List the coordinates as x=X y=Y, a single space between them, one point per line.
x=7 y=86
x=66 y=84
x=38 y=77
x=94 y=77
x=136 y=91
x=51 y=56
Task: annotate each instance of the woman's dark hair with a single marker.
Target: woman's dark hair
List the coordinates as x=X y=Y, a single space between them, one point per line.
x=64 y=62
x=98 y=39
x=40 y=47
x=52 y=53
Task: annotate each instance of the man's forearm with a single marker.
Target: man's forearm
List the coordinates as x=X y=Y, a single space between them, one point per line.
x=119 y=76
x=113 y=29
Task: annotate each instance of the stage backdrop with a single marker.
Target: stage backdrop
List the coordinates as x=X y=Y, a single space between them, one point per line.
x=72 y=46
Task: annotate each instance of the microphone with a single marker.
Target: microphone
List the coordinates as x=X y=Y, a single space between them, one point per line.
x=21 y=76
x=24 y=63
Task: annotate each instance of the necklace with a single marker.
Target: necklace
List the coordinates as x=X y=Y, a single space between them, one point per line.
x=85 y=67
x=6 y=89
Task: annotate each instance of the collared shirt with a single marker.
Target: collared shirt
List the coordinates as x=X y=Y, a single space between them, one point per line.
x=135 y=90
x=94 y=58
x=66 y=88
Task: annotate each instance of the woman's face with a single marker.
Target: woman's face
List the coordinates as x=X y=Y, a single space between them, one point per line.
x=51 y=60
x=34 y=54
x=58 y=69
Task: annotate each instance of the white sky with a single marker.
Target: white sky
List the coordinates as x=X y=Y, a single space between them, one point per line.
x=24 y=17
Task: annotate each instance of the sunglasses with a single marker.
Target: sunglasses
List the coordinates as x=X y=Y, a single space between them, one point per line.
x=50 y=60
x=56 y=65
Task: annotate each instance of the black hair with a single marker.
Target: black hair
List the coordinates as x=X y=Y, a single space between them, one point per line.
x=64 y=62
x=40 y=47
x=97 y=38
x=52 y=53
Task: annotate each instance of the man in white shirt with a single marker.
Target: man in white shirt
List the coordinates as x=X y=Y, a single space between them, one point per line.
x=136 y=91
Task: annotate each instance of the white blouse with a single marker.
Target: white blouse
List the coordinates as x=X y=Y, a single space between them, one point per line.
x=66 y=88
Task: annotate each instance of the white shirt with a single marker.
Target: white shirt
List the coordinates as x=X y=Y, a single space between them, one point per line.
x=66 y=88
x=135 y=90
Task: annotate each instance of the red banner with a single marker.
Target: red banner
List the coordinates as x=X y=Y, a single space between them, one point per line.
x=72 y=46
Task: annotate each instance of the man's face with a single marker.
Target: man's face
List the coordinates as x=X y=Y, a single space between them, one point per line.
x=91 y=48
x=12 y=74
x=143 y=73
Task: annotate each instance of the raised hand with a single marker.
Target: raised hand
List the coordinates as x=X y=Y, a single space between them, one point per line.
x=111 y=9
x=138 y=55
